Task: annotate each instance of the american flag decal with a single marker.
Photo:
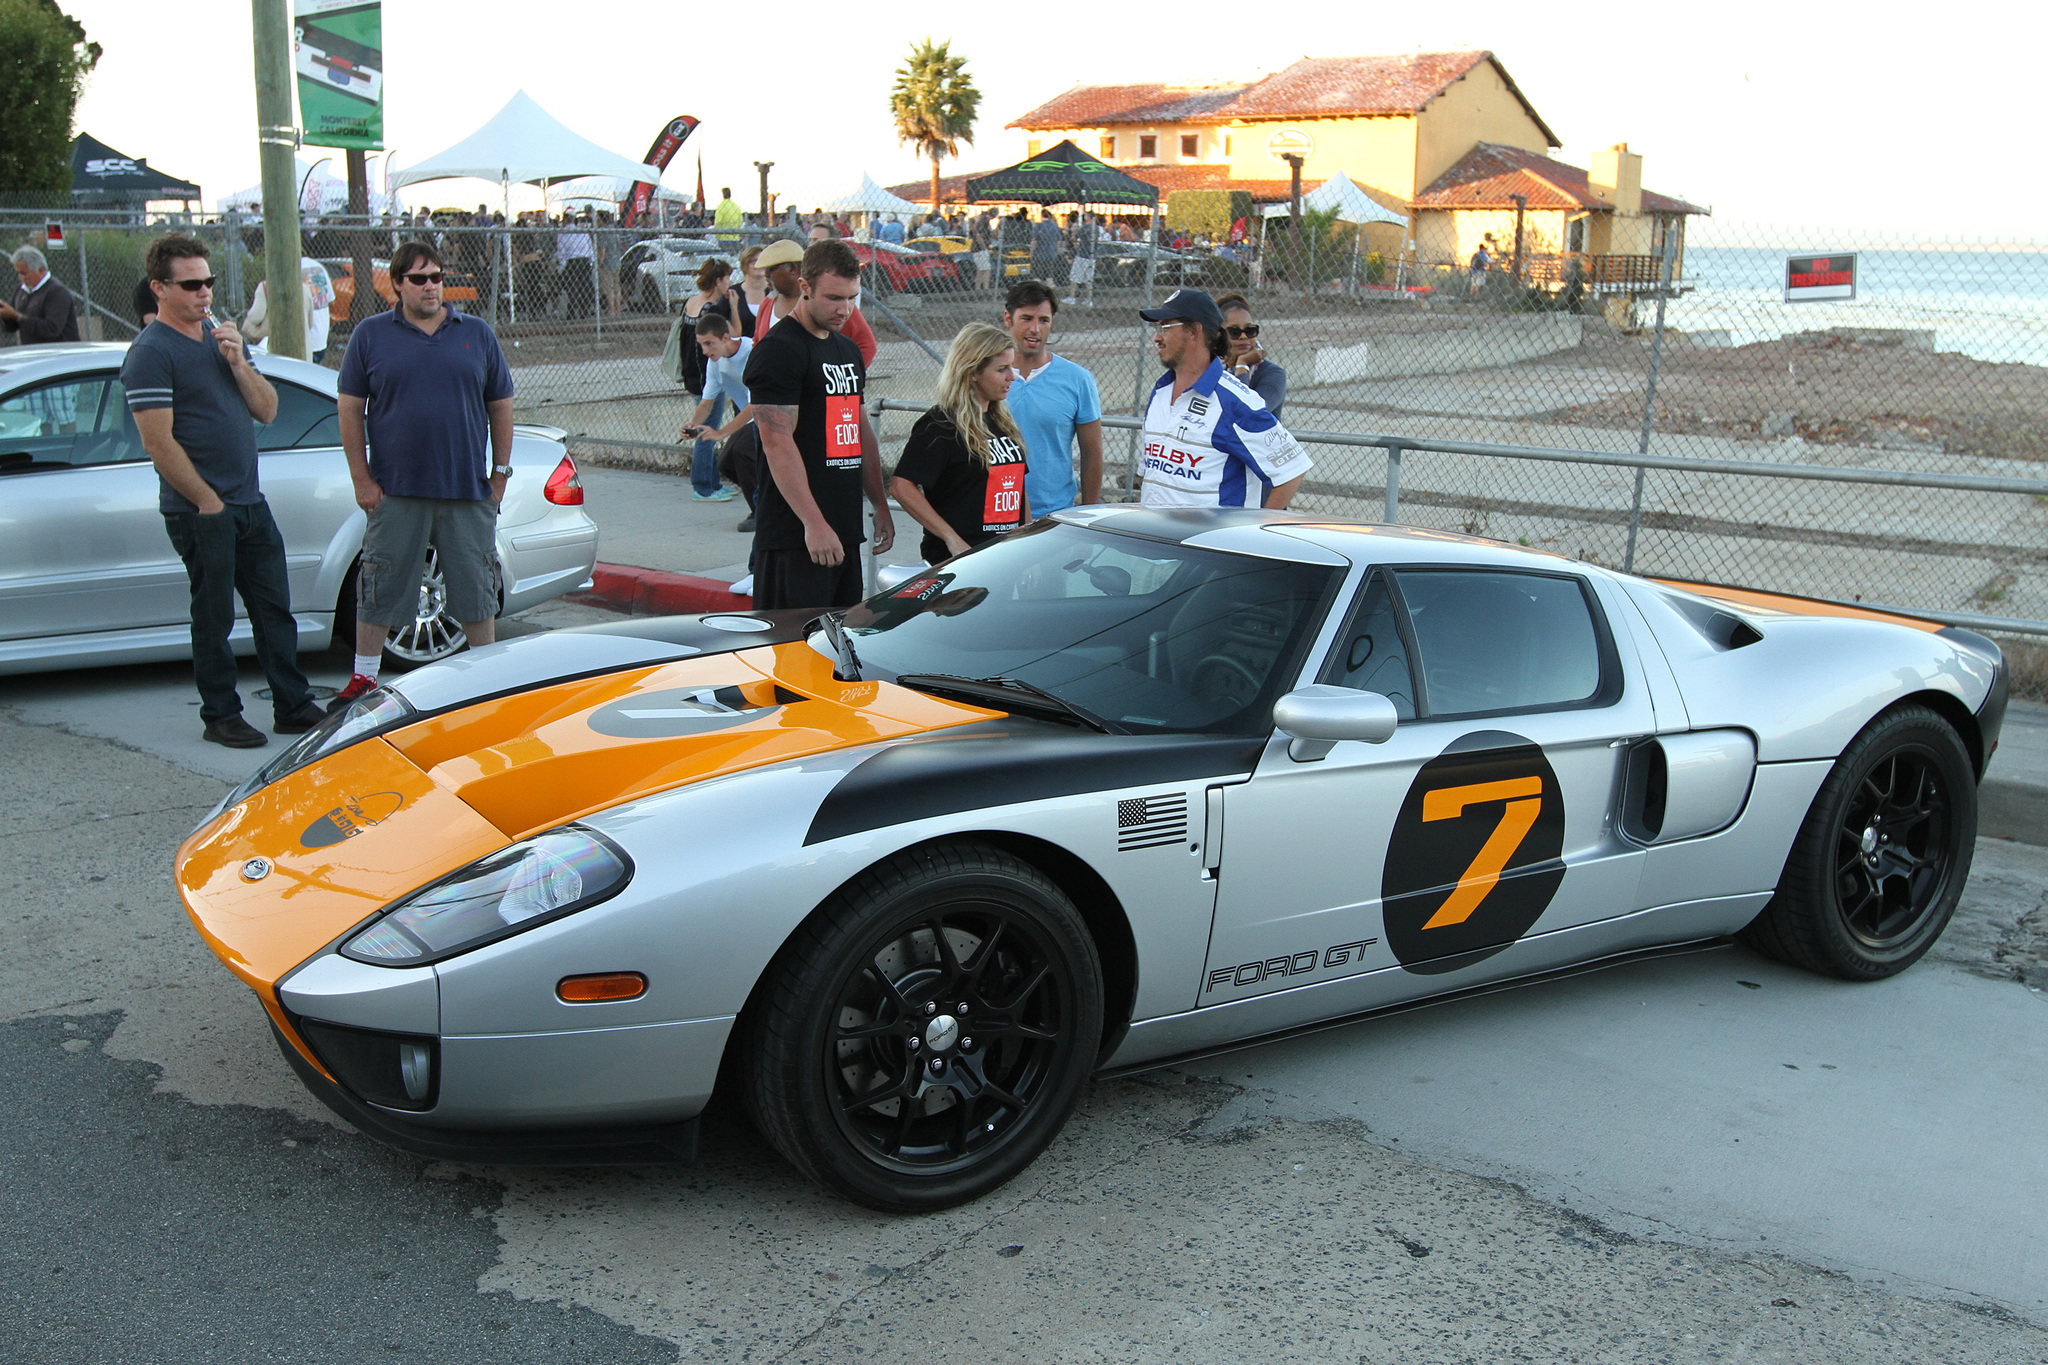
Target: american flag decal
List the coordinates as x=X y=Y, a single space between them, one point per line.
x=1151 y=821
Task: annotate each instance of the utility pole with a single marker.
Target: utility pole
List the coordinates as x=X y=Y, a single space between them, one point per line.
x=277 y=138
x=1521 y=208
x=767 y=210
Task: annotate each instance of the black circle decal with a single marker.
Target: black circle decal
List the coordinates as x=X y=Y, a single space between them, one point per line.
x=1475 y=855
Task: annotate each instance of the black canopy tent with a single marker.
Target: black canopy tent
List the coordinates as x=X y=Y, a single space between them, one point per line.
x=101 y=176
x=1062 y=175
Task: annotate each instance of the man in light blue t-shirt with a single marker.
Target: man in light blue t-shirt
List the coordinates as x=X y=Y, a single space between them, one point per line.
x=1055 y=404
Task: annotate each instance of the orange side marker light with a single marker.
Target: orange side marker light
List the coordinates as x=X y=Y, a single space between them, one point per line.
x=600 y=987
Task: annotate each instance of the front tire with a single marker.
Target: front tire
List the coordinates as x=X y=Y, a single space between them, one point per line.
x=928 y=1031
x=1882 y=857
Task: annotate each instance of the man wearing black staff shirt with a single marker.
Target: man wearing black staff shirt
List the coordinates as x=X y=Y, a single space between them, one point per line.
x=820 y=448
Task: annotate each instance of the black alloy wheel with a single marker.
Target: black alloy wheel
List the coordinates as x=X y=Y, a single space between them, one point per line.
x=928 y=1031
x=1881 y=859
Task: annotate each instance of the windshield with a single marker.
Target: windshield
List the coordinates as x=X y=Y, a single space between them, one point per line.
x=1153 y=636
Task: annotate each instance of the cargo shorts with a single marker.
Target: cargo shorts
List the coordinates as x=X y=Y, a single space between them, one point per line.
x=464 y=535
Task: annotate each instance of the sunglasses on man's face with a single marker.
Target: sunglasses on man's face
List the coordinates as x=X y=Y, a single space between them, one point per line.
x=1247 y=333
x=423 y=277
x=193 y=286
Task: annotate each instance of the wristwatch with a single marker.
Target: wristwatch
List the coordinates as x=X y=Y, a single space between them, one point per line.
x=501 y=471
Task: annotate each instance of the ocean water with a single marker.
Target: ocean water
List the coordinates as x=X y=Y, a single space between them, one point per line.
x=1986 y=303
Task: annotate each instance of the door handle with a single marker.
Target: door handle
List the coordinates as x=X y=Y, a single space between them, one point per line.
x=1212 y=835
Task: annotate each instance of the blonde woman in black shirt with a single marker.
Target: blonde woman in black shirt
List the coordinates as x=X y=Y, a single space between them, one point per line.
x=961 y=476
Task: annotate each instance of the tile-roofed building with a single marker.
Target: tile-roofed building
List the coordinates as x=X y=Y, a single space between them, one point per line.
x=1491 y=175
x=1551 y=222
x=1391 y=123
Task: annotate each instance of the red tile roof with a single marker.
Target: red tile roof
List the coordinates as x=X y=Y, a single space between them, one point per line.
x=1092 y=106
x=1491 y=174
x=1314 y=87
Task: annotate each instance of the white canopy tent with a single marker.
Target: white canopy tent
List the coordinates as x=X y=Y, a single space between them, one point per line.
x=321 y=190
x=869 y=198
x=523 y=143
x=606 y=190
x=1339 y=192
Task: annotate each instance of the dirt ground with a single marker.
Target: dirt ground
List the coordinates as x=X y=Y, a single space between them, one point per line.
x=1828 y=389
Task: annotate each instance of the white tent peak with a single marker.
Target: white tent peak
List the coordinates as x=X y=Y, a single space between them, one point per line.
x=524 y=143
x=1340 y=192
x=869 y=198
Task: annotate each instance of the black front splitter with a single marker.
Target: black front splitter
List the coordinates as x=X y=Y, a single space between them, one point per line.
x=645 y=1145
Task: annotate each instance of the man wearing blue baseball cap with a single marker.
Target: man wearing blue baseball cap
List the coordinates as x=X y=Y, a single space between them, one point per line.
x=1209 y=440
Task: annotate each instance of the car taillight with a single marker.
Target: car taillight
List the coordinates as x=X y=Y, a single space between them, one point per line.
x=565 y=485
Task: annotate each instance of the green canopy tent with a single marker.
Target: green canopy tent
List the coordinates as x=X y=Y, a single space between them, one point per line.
x=1062 y=175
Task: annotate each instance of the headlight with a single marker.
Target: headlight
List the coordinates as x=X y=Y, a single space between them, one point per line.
x=514 y=889
x=368 y=714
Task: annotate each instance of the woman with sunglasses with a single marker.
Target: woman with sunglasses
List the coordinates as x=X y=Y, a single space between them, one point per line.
x=1245 y=358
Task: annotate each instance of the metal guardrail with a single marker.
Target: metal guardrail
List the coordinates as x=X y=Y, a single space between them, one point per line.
x=1394 y=446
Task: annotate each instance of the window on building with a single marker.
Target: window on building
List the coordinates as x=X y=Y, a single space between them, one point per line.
x=1034 y=147
x=1148 y=146
x=1190 y=145
x=1108 y=149
x=1226 y=144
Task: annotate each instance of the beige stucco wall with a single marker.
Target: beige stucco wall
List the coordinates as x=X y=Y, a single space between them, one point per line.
x=1452 y=235
x=1208 y=146
x=1479 y=108
x=1376 y=152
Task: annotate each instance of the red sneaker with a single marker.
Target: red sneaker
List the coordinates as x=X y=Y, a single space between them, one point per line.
x=357 y=685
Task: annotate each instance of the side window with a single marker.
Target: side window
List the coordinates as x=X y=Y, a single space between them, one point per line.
x=1502 y=641
x=304 y=418
x=1369 y=654
x=40 y=427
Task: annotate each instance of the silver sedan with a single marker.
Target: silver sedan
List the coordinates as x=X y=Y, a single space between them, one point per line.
x=88 y=576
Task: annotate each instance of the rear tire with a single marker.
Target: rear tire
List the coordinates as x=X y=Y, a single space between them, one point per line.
x=1881 y=859
x=861 y=1066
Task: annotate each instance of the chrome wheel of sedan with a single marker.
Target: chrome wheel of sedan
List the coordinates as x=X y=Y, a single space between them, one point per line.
x=932 y=1035
x=433 y=634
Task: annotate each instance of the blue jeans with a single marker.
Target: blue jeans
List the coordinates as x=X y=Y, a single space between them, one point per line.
x=239 y=550
x=704 y=454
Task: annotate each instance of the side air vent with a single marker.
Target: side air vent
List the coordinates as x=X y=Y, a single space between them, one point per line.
x=1151 y=821
x=1722 y=629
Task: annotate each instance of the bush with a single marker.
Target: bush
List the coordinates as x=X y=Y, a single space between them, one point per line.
x=1375 y=267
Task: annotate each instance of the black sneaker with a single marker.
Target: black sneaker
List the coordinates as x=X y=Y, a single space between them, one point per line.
x=747 y=525
x=235 y=732
x=301 y=720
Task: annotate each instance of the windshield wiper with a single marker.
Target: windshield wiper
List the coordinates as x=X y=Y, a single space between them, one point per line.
x=848 y=669
x=1010 y=693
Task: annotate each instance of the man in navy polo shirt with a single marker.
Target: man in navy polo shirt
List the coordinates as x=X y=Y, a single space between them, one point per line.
x=429 y=388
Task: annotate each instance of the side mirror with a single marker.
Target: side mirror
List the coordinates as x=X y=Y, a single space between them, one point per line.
x=1317 y=716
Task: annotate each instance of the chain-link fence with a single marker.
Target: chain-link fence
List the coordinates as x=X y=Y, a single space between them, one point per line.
x=1939 y=365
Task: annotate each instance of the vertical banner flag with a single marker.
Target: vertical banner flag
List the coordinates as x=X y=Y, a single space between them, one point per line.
x=338 y=55
x=672 y=136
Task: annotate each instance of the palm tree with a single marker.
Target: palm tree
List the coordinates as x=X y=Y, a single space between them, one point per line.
x=934 y=102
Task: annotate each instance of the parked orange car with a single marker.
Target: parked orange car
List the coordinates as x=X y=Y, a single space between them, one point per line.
x=460 y=288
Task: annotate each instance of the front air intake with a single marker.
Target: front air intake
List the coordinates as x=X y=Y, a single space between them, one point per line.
x=392 y=1070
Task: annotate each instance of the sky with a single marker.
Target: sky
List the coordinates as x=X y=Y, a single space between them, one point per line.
x=1771 y=113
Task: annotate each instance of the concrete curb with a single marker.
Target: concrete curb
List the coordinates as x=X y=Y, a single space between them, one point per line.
x=653 y=592
x=2012 y=810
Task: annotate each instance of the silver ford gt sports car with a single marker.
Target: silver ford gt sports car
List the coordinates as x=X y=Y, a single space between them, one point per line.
x=1122 y=788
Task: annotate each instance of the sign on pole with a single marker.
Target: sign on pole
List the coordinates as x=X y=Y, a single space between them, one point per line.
x=338 y=55
x=1813 y=277
x=53 y=236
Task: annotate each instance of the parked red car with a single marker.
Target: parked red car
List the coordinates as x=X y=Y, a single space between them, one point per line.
x=886 y=267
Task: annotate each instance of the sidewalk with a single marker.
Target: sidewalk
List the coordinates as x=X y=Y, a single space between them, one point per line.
x=661 y=552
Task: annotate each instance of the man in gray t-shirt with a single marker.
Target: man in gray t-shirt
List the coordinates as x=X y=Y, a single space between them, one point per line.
x=194 y=394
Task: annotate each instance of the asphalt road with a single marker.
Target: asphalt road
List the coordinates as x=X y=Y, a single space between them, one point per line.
x=1659 y=1163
